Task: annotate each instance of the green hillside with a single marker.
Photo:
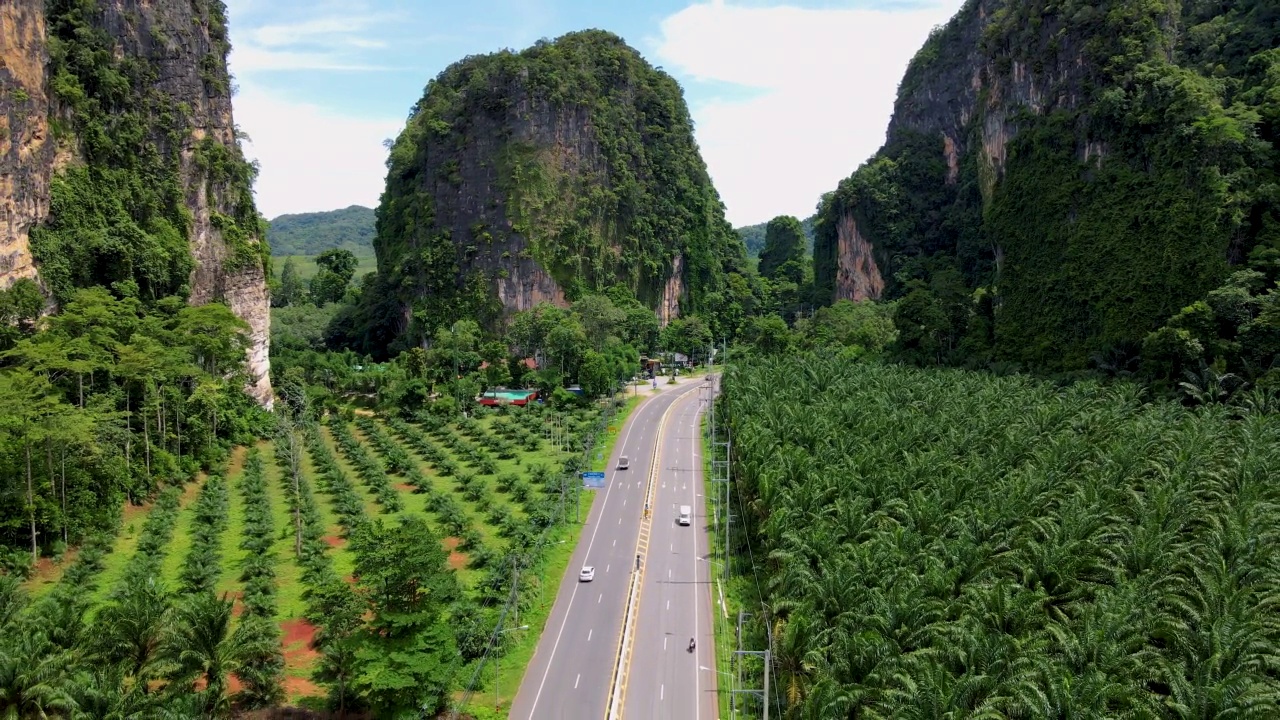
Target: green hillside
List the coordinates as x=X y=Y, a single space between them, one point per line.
x=309 y=234
x=753 y=235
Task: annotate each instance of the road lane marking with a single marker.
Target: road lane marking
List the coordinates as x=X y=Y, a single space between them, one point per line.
x=664 y=644
x=624 y=504
x=618 y=692
x=576 y=681
x=697 y=677
x=589 y=632
x=600 y=598
x=662 y=691
x=606 y=567
x=668 y=604
x=568 y=609
x=615 y=542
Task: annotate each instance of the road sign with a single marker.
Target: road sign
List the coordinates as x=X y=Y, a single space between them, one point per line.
x=593 y=479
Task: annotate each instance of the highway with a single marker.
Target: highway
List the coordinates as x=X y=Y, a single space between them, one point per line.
x=571 y=670
x=675 y=600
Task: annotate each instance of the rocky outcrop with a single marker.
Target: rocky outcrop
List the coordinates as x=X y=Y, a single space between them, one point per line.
x=26 y=150
x=857 y=276
x=669 y=308
x=1060 y=159
x=524 y=284
x=178 y=37
x=182 y=44
x=543 y=175
x=956 y=85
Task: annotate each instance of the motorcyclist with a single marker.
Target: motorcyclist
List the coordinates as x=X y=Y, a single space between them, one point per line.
x=691 y=644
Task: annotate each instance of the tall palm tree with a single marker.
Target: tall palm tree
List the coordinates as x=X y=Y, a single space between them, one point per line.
x=134 y=629
x=203 y=651
x=34 y=677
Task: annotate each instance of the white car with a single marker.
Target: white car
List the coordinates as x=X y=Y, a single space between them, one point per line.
x=588 y=574
x=623 y=463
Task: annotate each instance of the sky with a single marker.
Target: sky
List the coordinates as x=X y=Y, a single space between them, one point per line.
x=787 y=98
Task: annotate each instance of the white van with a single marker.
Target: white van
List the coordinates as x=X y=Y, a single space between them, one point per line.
x=686 y=515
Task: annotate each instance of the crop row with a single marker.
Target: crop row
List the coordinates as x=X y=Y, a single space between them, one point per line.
x=262 y=671
x=370 y=470
x=153 y=542
x=203 y=563
x=332 y=480
x=952 y=544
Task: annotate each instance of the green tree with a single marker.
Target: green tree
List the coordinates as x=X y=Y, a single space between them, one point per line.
x=923 y=327
x=867 y=325
x=134 y=629
x=768 y=333
x=290 y=291
x=595 y=375
x=336 y=610
x=599 y=318
x=784 y=242
x=688 y=336
x=20 y=306
x=408 y=654
x=336 y=267
x=202 y=646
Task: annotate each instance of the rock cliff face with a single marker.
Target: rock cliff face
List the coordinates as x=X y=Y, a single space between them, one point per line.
x=26 y=152
x=542 y=175
x=59 y=114
x=857 y=275
x=1060 y=156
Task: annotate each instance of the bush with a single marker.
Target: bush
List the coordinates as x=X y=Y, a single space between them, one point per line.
x=16 y=563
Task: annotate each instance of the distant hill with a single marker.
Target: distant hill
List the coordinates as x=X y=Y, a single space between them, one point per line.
x=753 y=236
x=313 y=233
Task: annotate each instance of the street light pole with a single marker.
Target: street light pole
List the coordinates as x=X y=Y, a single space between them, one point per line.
x=497 y=664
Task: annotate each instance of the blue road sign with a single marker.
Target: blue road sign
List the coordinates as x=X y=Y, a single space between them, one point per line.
x=593 y=479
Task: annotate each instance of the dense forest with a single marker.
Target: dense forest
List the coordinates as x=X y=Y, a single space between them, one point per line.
x=1060 y=179
x=350 y=229
x=127 y=387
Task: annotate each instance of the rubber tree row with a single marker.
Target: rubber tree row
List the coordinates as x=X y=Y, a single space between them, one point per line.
x=368 y=466
x=263 y=674
x=153 y=542
x=203 y=564
x=346 y=501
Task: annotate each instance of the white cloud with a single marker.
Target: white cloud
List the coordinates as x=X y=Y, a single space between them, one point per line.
x=327 y=29
x=828 y=80
x=311 y=159
x=248 y=59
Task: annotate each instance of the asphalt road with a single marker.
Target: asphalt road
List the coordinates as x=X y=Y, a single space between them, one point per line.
x=675 y=599
x=569 y=675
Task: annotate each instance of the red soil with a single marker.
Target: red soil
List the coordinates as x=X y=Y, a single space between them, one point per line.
x=299 y=655
x=334 y=541
x=298 y=634
x=405 y=487
x=296 y=687
x=457 y=560
x=237 y=604
x=48 y=570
